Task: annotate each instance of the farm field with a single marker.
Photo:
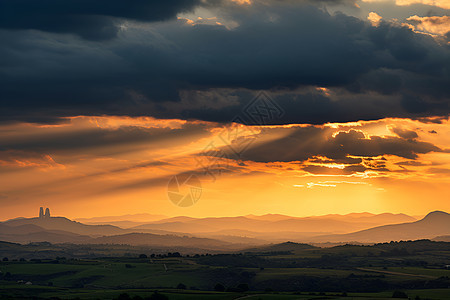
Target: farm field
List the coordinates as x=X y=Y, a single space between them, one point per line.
x=311 y=274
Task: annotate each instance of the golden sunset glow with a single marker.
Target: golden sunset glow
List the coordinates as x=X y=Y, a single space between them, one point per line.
x=434 y=25
x=123 y=165
x=225 y=149
x=242 y=1
x=374 y=18
x=439 y=3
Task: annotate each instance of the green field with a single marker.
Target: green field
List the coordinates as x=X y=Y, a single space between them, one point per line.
x=108 y=278
x=360 y=272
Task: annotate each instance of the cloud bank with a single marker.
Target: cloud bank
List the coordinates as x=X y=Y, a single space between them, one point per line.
x=320 y=67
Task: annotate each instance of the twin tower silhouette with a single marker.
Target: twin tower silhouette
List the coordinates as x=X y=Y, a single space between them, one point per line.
x=42 y=215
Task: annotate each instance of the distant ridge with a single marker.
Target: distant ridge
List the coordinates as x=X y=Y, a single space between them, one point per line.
x=442 y=238
x=232 y=232
x=64 y=224
x=277 y=223
x=282 y=247
x=32 y=233
x=434 y=224
x=154 y=240
x=144 y=217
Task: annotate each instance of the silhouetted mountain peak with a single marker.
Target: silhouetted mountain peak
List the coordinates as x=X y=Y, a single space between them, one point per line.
x=65 y=224
x=436 y=223
x=436 y=215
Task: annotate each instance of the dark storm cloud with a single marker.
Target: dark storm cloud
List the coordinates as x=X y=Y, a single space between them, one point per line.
x=412 y=163
x=371 y=72
x=313 y=106
x=404 y=133
x=305 y=143
x=95 y=20
x=98 y=141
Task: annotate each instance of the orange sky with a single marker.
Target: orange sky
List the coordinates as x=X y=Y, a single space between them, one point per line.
x=97 y=166
x=323 y=61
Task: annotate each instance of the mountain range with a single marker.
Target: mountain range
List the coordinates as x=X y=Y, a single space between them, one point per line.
x=228 y=233
x=431 y=226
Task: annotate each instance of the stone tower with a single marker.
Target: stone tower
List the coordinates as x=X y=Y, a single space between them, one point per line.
x=42 y=215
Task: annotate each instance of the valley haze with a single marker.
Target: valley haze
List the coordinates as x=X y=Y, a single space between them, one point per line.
x=227 y=233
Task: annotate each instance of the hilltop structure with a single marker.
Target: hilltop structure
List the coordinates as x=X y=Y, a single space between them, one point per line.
x=42 y=215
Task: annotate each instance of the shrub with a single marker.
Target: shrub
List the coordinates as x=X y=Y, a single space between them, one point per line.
x=219 y=287
x=181 y=286
x=158 y=296
x=243 y=287
x=124 y=296
x=399 y=294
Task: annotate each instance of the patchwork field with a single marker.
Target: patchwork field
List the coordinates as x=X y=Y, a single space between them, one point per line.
x=329 y=273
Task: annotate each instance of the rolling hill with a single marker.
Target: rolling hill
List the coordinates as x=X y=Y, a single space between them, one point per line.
x=434 y=224
x=123 y=221
x=442 y=238
x=154 y=240
x=276 y=223
x=28 y=233
x=232 y=232
x=64 y=224
x=282 y=247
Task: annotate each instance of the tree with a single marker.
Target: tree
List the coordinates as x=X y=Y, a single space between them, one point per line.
x=142 y=256
x=5 y=259
x=219 y=287
x=7 y=276
x=124 y=296
x=399 y=294
x=158 y=296
x=181 y=286
x=243 y=287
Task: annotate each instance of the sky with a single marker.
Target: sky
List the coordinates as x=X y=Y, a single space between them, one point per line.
x=257 y=106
